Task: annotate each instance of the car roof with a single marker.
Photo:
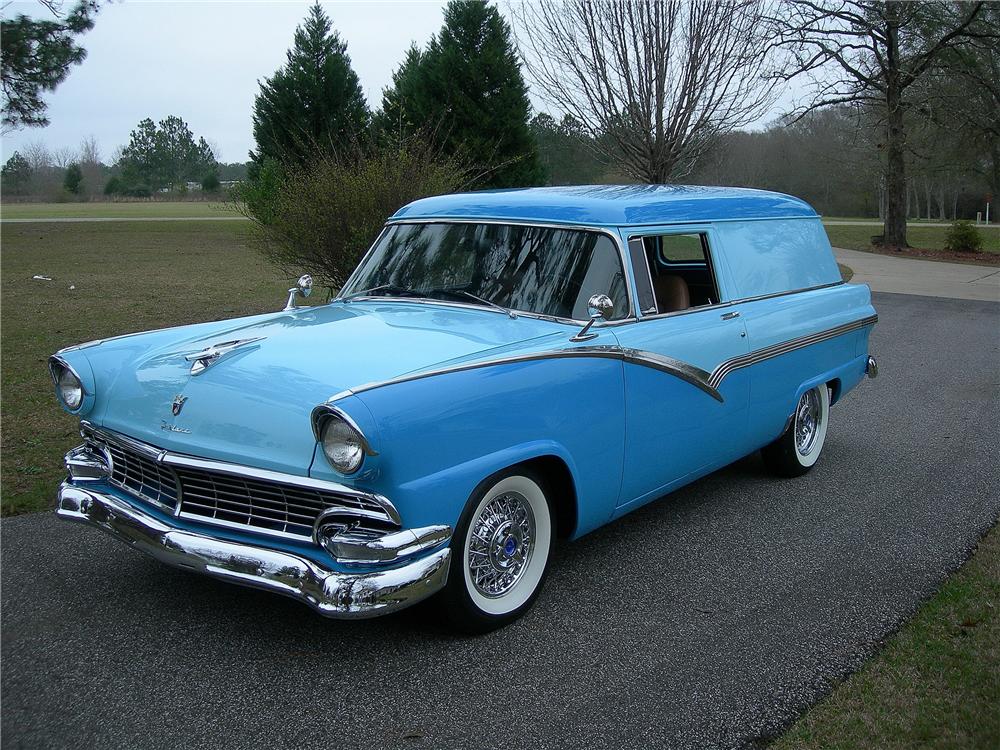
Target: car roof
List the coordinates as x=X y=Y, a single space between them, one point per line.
x=610 y=205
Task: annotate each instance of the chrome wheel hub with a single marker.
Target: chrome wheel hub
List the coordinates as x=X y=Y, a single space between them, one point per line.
x=502 y=540
x=808 y=414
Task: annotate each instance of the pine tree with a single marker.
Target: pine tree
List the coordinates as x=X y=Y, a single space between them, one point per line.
x=315 y=100
x=73 y=182
x=37 y=56
x=468 y=85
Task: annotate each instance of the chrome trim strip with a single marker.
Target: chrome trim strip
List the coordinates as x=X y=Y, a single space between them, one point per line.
x=774 y=295
x=731 y=303
x=689 y=373
x=329 y=592
x=678 y=368
x=631 y=314
x=239 y=470
x=775 y=350
x=707 y=382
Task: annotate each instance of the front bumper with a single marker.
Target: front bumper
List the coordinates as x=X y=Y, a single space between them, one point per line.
x=329 y=592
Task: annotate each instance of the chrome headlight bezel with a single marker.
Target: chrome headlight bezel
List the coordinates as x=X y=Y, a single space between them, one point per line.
x=342 y=441
x=70 y=390
x=342 y=445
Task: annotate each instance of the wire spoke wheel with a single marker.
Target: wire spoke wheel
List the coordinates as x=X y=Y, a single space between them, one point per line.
x=501 y=551
x=500 y=547
x=808 y=416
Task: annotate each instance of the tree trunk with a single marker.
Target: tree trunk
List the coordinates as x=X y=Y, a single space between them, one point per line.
x=927 y=196
x=941 y=214
x=894 y=234
x=995 y=169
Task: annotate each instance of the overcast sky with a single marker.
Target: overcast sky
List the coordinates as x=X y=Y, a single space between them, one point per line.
x=202 y=61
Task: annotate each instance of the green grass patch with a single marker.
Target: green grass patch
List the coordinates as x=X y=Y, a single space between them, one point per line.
x=935 y=685
x=846 y=272
x=925 y=238
x=129 y=276
x=131 y=210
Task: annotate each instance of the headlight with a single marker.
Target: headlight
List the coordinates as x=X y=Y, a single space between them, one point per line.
x=343 y=445
x=68 y=386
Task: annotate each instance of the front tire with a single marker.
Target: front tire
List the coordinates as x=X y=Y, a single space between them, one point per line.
x=500 y=552
x=798 y=449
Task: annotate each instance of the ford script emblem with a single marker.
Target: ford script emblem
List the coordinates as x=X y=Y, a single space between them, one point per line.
x=165 y=425
x=178 y=404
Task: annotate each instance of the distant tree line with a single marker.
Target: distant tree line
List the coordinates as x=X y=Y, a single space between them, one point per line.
x=900 y=118
x=159 y=160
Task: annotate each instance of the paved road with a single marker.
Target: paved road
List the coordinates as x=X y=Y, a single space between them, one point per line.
x=709 y=619
x=886 y=273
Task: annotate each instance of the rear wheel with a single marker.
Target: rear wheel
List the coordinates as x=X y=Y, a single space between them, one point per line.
x=500 y=552
x=798 y=449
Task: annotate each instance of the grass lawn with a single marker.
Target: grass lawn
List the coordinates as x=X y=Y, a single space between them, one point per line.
x=936 y=683
x=129 y=276
x=926 y=238
x=137 y=210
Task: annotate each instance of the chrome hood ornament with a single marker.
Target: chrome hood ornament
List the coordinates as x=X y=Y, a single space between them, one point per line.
x=210 y=355
x=178 y=404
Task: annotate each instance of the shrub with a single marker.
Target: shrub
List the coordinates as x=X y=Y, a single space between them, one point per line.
x=963 y=237
x=210 y=183
x=322 y=217
x=113 y=186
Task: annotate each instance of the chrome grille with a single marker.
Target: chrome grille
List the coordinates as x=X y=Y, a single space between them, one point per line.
x=229 y=499
x=263 y=505
x=142 y=476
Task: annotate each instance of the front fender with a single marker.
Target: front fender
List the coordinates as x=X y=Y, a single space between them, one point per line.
x=441 y=436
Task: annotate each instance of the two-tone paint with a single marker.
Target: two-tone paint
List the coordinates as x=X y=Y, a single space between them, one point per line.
x=447 y=393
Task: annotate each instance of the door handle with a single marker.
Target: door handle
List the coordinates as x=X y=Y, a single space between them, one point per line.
x=730 y=315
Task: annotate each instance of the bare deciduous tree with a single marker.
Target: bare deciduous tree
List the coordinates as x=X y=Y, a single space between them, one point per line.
x=654 y=83
x=872 y=52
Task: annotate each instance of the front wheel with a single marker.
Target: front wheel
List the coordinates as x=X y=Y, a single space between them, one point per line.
x=798 y=449
x=500 y=552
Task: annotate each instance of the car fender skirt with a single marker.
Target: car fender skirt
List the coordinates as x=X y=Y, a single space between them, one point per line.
x=329 y=592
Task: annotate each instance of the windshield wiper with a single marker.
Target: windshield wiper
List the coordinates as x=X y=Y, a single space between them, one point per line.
x=388 y=288
x=469 y=295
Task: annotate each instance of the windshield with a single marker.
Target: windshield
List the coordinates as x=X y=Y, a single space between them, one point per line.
x=532 y=269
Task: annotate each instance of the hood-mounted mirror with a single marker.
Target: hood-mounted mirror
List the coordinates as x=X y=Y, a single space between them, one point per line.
x=303 y=288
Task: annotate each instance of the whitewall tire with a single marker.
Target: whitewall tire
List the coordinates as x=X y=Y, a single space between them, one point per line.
x=500 y=552
x=799 y=448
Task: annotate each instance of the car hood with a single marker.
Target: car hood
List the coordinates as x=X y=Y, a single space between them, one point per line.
x=253 y=404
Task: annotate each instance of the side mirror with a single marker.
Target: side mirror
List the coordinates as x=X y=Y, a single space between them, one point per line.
x=303 y=288
x=600 y=306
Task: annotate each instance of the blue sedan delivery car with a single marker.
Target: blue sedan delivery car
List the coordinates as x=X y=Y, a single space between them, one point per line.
x=502 y=370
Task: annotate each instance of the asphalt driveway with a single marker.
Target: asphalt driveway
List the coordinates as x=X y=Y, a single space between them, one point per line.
x=708 y=619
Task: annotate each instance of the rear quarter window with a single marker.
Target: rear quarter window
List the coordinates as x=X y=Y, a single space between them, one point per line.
x=773 y=256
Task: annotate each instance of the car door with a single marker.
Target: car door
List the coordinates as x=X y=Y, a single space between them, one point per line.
x=679 y=423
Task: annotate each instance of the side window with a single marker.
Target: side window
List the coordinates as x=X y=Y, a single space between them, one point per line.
x=643 y=281
x=681 y=272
